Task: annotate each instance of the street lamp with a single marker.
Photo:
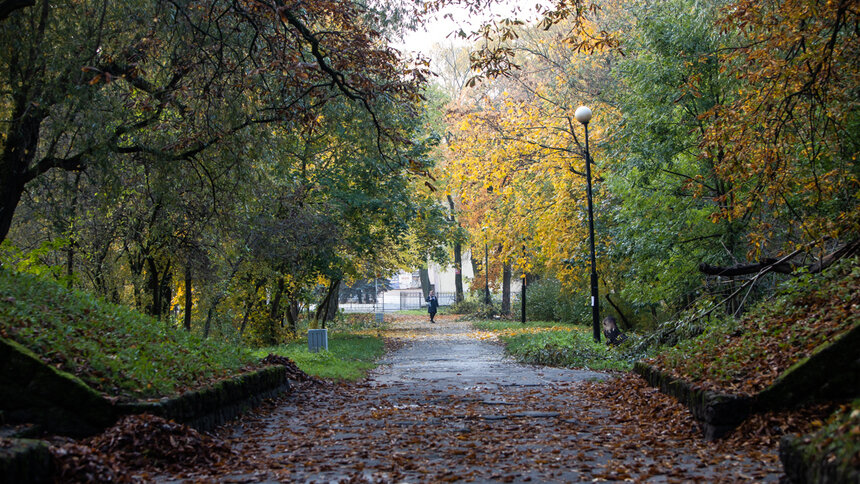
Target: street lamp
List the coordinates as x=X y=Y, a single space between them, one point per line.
x=583 y=115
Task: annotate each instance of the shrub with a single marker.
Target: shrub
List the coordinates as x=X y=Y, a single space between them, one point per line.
x=464 y=307
x=547 y=301
x=572 y=348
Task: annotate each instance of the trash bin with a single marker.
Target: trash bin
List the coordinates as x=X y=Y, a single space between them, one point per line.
x=380 y=317
x=317 y=340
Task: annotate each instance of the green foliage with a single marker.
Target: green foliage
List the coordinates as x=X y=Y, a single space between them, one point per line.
x=674 y=331
x=34 y=261
x=502 y=325
x=349 y=322
x=466 y=306
x=662 y=192
x=113 y=349
x=413 y=312
x=547 y=300
x=554 y=345
x=349 y=357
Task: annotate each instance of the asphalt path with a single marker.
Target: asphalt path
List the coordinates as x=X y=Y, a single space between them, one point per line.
x=448 y=405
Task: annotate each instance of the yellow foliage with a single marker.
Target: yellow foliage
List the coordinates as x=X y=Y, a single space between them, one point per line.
x=518 y=165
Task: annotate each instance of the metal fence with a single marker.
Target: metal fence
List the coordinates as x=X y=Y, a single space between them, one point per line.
x=396 y=300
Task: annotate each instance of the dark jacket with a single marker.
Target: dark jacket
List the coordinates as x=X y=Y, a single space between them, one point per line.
x=434 y=304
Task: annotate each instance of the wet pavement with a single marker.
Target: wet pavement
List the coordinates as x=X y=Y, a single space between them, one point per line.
x=446 y=406
x=447 y=355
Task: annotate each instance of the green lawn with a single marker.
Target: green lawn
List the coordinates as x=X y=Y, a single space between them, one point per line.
x=349 y=356
x=112 y=348
x=556 y=344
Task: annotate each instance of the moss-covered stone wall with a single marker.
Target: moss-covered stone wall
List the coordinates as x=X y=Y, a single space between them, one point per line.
x=804 y=464
x=716 y=413
x=25 y=461
x=61 y=403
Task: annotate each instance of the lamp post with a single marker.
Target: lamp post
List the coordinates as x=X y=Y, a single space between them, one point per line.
x=583 y=115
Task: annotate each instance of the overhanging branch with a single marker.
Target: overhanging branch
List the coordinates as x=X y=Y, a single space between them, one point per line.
x=782 y=266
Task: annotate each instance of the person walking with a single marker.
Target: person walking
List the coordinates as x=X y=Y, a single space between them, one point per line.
x=432 y=306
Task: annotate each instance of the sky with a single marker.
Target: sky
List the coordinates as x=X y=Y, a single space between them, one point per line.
x=439 y=30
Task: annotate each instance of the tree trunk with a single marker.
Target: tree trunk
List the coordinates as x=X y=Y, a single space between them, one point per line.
x=333 y=303
x=10 y=195
x=188 y=298
x=782 y=265
x=135 y=265
x=70 y=264
x=208 y=325
x=249 y=306
x=458 y=271
x=458 y=259
x=165 y=289
x=20 y=148
x=73 y=212
x=154 y=287
x=293 y=315
x=506 y=288
x=424 y=274
x=325 y=306
x=275 y=310
x=275 y=314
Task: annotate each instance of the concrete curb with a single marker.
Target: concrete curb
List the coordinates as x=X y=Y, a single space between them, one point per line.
x=716 y=413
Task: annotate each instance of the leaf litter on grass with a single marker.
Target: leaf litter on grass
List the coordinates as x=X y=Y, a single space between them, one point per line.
x=770 y=339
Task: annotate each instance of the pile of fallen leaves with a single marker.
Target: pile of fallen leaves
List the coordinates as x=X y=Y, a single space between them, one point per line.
x=138 y=442
x=293 y=371
x=630 y=399
x=771 y=339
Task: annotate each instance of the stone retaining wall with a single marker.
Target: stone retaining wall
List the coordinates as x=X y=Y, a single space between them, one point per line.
x=61 y=403
x=716 y=413
x=832 y=372
x=56 y=401
x=803 y=464
x=214 y=405
x=25 y=461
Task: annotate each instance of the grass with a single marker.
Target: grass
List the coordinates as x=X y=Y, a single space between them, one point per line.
x=506 y=325
x=349 y=356
x=555 y=344
x=417 y=312
x=113 y=349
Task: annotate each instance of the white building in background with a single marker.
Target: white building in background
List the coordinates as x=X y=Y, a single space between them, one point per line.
x=405 y=291
x=442 y=279
x=405 y=288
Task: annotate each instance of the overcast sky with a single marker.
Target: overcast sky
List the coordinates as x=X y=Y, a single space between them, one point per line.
x=439 y=30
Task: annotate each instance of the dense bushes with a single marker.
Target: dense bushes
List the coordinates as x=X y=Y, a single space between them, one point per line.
x=546 y=300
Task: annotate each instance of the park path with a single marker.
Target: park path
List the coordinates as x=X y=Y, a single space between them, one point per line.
x=448 y=406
